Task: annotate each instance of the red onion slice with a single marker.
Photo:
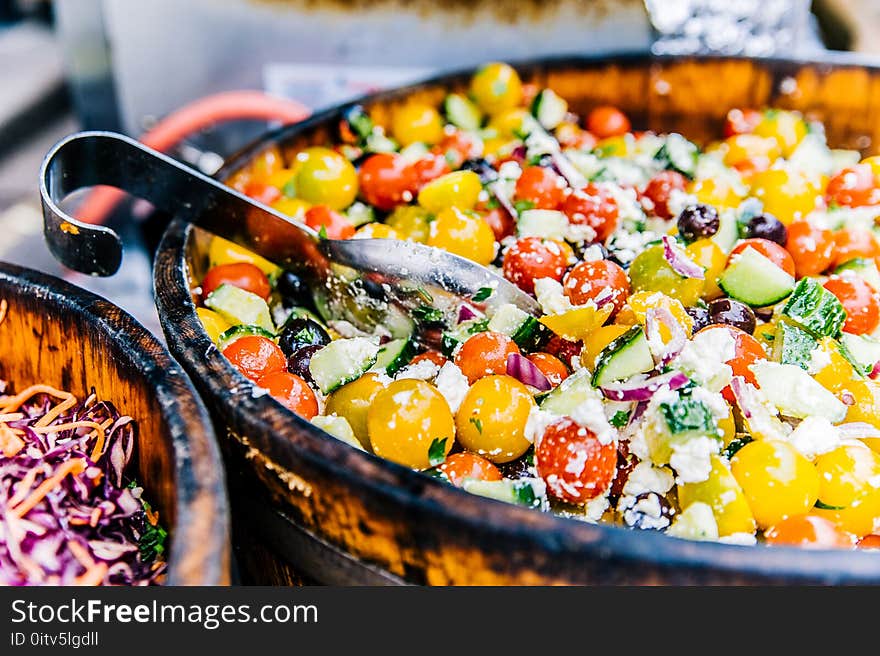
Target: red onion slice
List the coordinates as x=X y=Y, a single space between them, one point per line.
x=497 y=191
x=568 y=170
x=875 y=371
x=644 y=389
x=858 y=430
x=679 y=261
x=466 y=313
x=526 y=372
x=656 y=316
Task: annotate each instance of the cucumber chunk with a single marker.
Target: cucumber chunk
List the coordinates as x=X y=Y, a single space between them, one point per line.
x=815 y=309
x=342 y=361
x=231 y=334
x=795 y=393
x=549 y=108
x=524 y=329
x=239 y=307
x=522 y=492
x=570 y=393
x=624 y=357
x=755 y=280
x=548 y=224
x=793 y=345
x=864 y=269
x=863 y=349
x=394 y=355
x=462 y=113
x=678 y=154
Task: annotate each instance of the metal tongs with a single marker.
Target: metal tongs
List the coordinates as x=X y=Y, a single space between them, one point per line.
x=368 y=282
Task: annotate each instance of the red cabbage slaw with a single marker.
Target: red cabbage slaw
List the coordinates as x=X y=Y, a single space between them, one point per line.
x=68 y=513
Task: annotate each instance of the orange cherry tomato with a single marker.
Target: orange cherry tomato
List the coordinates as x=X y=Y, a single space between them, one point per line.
x=428 y=168
x=809 y=532
x=541 y=186
x=811 y=248
x=262 y=192
x=335 y=225
x=431 y=356
x=573 y=463
x=655 y=196
x=292 y=392
x=484 y=354
x=462 y=466
x=852 y=243
x=500 y=221
x=747 y=351
x=457 y=147
x=600 y=279
x=550 y=366
x=387 y=180
x=869 y=542
x=243 y=275
x=593 y=206
x=741 y=121
x=854 y=186
x=530 y=258
x=255 y=356
x=607 y=121
x=860 y=302
x=769 y=249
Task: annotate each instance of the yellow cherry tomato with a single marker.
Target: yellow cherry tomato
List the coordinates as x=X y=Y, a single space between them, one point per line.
x=295 y=208
x=724 y=495
x=352 y=401
x=577 y=323
x=223 y=251
x=617 y=146
x=640 y=302
x=491 y=421
x=463 y=233
x=376 y=231
x=324 y=177
x=496 y=87
x=727 y=426
x=598 y=340
x=837 y=373
x=751 y=148
x=411 y=222
x=650 y=272
x=849 y=482
x=459 y=189
x=416 y=122
x=787 y=128
x=708 y=255
x=874 y=162
x=866 y=401
x=214 y=324
x=787 y=194
x=283 y=179
x=508 y=123
x=717 y=192
x=405 y=419
x=777 y=480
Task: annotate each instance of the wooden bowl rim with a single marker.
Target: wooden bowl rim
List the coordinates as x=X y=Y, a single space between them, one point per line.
x=194 y=557
x=421 y=495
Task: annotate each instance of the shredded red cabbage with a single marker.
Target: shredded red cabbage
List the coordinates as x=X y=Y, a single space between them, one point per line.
x=68 y=513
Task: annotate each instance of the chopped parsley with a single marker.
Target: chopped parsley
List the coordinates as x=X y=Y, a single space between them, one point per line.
x=437 y=451
x=523 y=205
x=482 y=294
x=825 y=506
x=478 y=327
x=736 y=444
x=525 y=495
x=322 y=233
x=620 y=419
x=476 y=421
x=427 y=314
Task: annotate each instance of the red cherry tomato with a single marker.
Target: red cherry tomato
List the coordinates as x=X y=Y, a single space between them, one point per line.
x=741 y=121
x=255 y=356
x=430 y=167
x=262 y=192
x=854 y=186
x=457 y=147
x=387 y=180
x=431 y=356
x=292 y=392
x=542 y=187
x=600 y=279
x=869 y=542
x=550 y=366
x=860 y=302
x=852 y=243
x=747 y=350
x=500 y=221
x=769 y=249
x=658 y=190
x=243 y=275
x=811 y=248
x=573 y=463
x=809 y=532
x=335 y=225
x=462 y=466
x=562 y=348
x=531 y=258
x=593 y=206
x=484 y=354
x=607 y=121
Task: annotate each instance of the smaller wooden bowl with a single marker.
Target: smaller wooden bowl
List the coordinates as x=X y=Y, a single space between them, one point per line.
x=61 y=335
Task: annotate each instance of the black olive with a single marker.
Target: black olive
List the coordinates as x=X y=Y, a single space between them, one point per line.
x=733 y=313
x=767 y=226
x=299 y=360
x=698 y=222
x=300 y=332
x=700 y=315
x=482 y=168
x=292 y=288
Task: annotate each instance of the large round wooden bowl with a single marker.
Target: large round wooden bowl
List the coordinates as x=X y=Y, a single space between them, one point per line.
x=307 y=504
x=63 y=336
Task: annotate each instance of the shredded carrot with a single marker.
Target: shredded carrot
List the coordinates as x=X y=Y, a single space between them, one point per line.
x=98 y=428
x=10 y=443
x=74 y=467
x=77 y=521
x=96 y=515
x=11 y=416
x=24 y=486
x=81 y=554
x=10 y=404
x=152 y=517
x=92 y=576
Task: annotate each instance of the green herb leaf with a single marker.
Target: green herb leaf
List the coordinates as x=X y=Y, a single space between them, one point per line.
x=492 y=203
x=439 y=474
x=437 y=452
x=322 y=233
x=478 y=423
x=825 y=506
x=524 y=494
x=523 y=205
x=482 y=294
x=152 y=541
x=620 y=418
x=427 y=314
x=478 y=327
x=289 y=188
x=736 y=444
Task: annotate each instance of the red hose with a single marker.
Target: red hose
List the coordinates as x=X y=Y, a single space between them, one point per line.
x=192 y=118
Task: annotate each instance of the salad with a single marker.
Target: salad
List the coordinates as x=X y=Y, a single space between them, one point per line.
x=68 y=513
x=706 y=359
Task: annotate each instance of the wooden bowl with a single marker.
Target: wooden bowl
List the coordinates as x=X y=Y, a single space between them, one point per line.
x=307 y=505
x=64 y=336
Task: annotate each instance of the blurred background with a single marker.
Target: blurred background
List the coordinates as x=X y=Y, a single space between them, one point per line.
x=131 y=66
